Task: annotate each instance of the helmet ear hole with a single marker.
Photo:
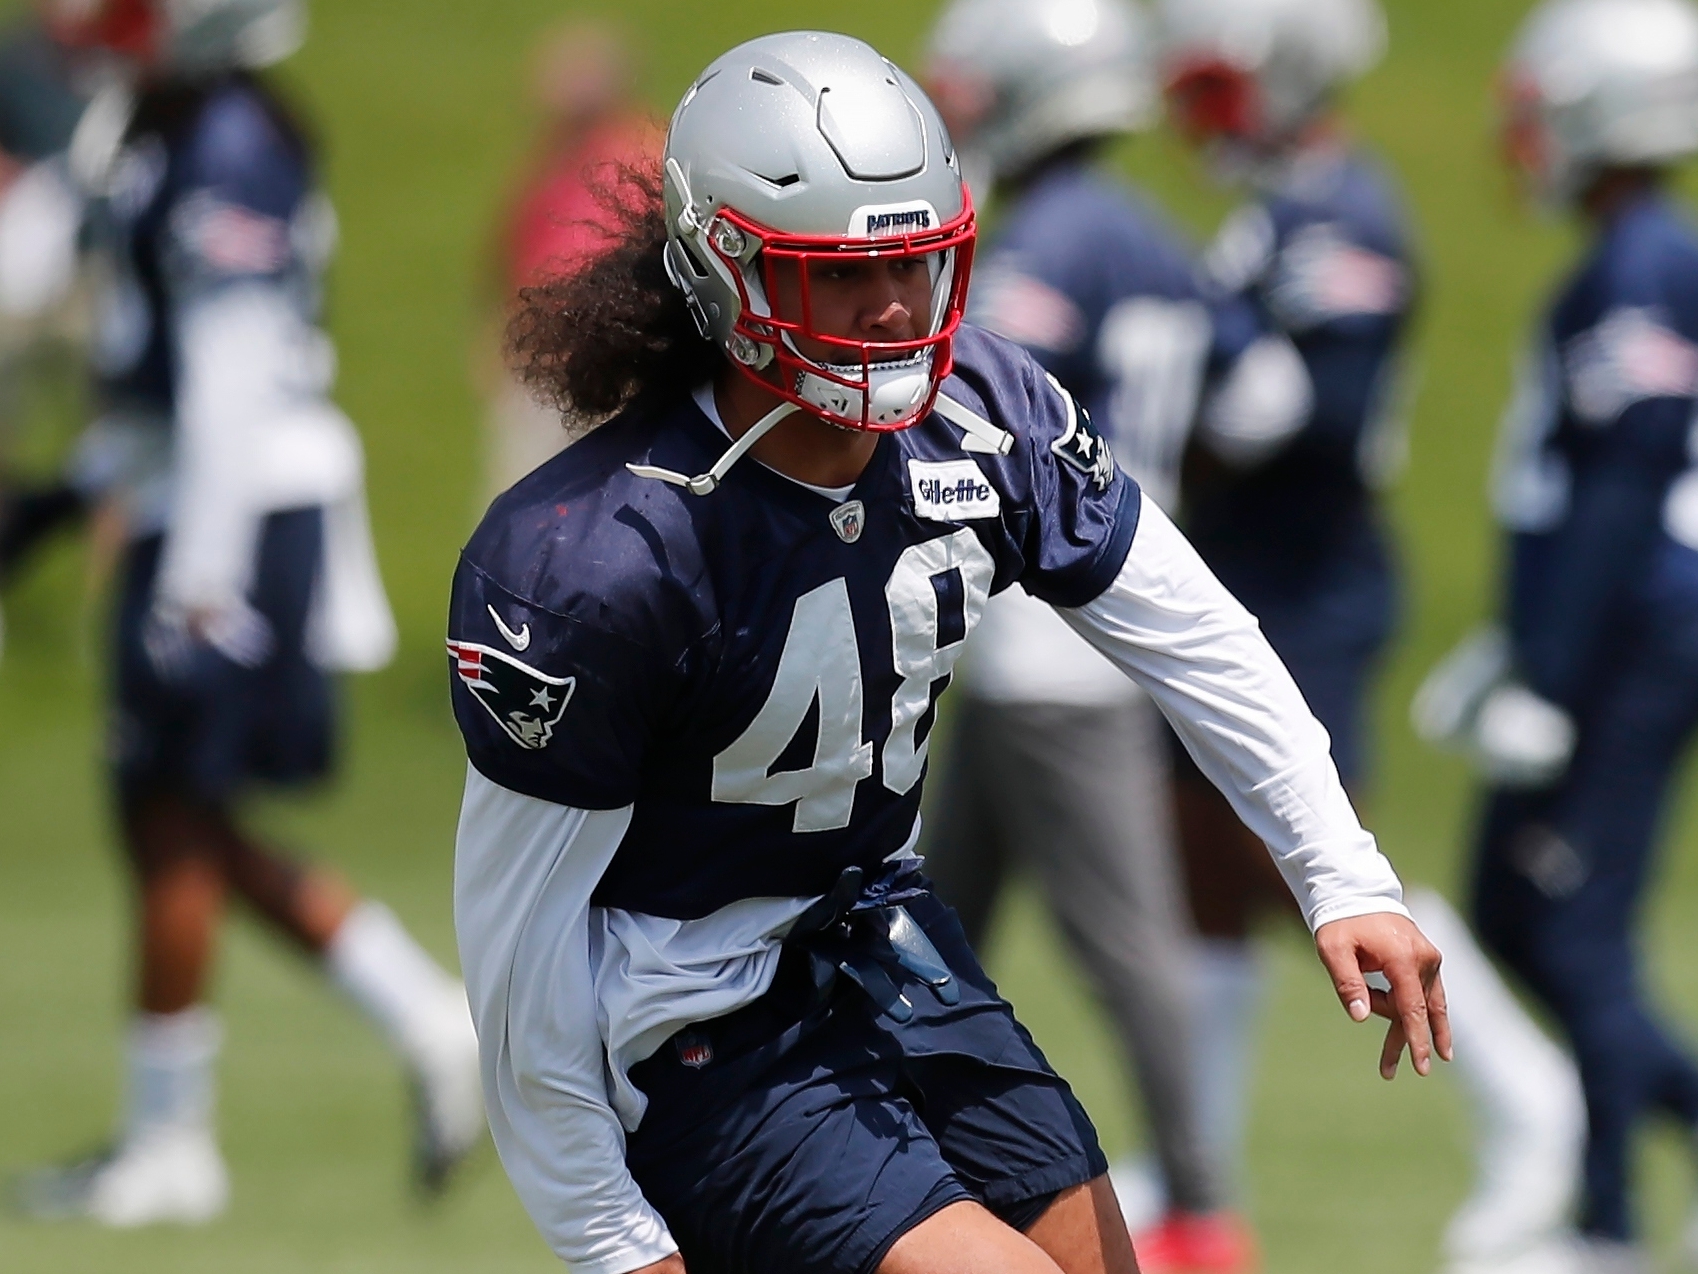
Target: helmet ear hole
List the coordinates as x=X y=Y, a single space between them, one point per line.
x=692 y=258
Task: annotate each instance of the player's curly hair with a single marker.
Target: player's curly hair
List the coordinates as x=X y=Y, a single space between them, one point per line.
x=594 y=338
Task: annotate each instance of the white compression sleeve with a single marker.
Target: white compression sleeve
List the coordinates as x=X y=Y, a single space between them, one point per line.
x=1175 y=630
x=524 y=871
x=233 y=351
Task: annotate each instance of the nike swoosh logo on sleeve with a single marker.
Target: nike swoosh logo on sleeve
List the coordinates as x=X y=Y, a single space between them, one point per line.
x=520 y=641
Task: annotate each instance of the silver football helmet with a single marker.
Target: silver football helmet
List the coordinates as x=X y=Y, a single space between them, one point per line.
x=1594 y=83
x=1017 y=79
x=797 y=148
x=1256 y=71
x=187 y=37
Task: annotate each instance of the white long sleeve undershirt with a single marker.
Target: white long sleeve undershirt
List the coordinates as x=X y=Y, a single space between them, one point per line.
x=1172 y=627
x=567 y=996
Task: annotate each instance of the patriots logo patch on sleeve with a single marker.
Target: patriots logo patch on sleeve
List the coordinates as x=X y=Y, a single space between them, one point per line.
x=525 y=703
x=1081 y=445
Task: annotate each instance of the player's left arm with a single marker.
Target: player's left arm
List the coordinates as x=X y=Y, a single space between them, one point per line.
x=1117 y=569
x=239 y=357
x=1175 y=630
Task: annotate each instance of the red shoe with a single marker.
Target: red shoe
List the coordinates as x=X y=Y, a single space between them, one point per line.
x=1196 y=1243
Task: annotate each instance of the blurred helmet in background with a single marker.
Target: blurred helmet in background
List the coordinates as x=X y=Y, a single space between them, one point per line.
x=799 y=148
x=1592 y=84
x=183 y=37
x=1018 y=79
x=1256 y=71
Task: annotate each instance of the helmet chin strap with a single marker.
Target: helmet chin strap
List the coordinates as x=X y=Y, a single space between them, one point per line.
x=707 y=483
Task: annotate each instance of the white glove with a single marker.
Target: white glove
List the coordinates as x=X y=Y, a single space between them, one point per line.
x=1472 y=704
x=1259 y=406
x=40 y=217
x=1450 y=696
x=1520 y=739
x=238 y=632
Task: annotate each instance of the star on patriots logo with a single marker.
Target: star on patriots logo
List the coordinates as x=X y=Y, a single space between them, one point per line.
x=1082 y=446
x=525 y=703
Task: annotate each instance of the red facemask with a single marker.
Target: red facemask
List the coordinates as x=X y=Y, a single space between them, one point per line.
x=880 y=386
x=1212 y=99
x=128 y=27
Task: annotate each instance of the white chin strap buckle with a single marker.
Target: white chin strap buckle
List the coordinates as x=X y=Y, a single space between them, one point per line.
x=707 y=483
x=891 y=393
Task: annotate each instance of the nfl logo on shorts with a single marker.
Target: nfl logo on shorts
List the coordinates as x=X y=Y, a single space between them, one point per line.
x=694 y=1050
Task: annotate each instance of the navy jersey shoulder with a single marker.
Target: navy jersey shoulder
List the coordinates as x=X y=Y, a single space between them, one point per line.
x=1358 y=194
x=1647 y=259
x=240 y=151
x=197 y=204
x=1327 y=252
x=755 y=671
x=1084 y=230
x=1102 y=290
x=1070 y=247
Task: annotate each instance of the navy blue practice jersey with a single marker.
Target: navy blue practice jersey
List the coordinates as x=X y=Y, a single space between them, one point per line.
x=211 y=189
x=1326 y=260
x=1596 y=476
x=1101 y=289
x=756 y=670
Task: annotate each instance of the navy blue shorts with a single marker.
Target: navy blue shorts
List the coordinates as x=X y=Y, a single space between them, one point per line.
x=806 y=1134
x=213 y=726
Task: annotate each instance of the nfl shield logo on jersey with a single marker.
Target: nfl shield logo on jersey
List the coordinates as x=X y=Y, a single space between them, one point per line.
x=849 y=520
x=695 y=1051
x=525 y=703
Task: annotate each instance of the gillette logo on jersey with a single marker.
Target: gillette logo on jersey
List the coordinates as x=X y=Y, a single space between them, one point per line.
x=952 y=491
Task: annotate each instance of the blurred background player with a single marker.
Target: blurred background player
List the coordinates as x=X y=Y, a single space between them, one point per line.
x=1322 y=253
x=248 y=577
x=44 y=87
x=589 y=124
x=1579 y=707
x=1058 y=763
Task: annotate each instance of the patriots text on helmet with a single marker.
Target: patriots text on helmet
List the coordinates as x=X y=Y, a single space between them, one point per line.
x=898 y=222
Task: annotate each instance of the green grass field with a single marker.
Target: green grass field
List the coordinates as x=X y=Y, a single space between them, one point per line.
x=420 y=105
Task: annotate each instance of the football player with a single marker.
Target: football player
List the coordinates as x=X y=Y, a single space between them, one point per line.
x=249 y=577
x=1578 y=708
x=1322 y=252
x=725 y=1022
x=1058 y=759
x=44 y=87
